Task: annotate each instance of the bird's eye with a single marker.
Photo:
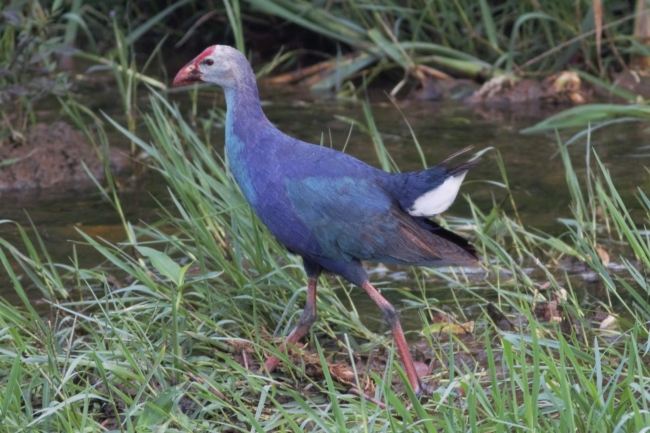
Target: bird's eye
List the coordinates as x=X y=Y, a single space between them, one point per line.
x=208 y=62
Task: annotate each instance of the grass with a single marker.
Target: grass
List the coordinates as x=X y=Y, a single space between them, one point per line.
x=475 y=39
x=155 y=338
x=29 y=45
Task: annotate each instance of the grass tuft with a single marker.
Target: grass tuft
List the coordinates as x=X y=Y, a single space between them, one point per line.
x=167 y=334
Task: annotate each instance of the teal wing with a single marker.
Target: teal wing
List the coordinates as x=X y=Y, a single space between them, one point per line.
x=352 y=218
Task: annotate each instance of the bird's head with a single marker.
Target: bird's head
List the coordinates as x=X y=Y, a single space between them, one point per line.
x=218 y=64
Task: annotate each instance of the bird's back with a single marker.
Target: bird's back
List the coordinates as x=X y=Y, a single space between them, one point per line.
x=323 y=203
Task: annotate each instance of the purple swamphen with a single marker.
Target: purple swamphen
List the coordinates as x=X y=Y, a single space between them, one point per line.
x=328 y=207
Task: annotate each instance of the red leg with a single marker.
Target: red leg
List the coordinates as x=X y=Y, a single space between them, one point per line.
x=398 y=335
x=307 y=318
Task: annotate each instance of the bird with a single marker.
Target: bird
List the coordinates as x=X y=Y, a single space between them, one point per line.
x=333 y=210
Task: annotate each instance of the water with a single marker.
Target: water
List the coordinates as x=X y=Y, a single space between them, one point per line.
x=537 y=180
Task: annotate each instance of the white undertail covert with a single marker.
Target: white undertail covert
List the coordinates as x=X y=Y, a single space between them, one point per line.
x=439 y=199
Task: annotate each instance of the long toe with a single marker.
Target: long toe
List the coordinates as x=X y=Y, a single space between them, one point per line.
x=423 y=389
x=270 y=365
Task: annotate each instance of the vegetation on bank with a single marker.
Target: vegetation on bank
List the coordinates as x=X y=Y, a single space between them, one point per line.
x=160 y=335
x=346 y=44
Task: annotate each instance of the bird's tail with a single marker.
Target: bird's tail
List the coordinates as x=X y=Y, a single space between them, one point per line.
x=454 y=171
x=464 y=254
x=461 y=168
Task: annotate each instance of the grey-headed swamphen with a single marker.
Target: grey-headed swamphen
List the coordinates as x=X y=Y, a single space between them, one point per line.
x=328 y=207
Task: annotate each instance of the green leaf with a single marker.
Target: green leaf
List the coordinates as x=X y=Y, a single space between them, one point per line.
x=344 y=70
x=488 y=22
x=163 y=263
x=389 y=48
x=581 y=116
x=159 y=410
x=181 y=273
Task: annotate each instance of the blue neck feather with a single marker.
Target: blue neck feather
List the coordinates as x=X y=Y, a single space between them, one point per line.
x=244 y=113
x=245 y=122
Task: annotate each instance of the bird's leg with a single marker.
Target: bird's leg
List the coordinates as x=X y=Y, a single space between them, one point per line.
x=390 y=315
x=307 y=318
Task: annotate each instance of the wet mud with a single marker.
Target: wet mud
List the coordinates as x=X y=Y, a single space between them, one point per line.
x=53 y=157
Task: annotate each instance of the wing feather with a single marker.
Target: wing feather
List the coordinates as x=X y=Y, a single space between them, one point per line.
x=356 y=219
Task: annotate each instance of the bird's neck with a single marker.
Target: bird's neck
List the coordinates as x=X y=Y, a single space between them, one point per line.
x=244 y=115
x=245 y=125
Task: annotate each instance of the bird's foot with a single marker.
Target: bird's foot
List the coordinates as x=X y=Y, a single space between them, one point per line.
x=357 y=391
x=269 y=365
x=423 y=389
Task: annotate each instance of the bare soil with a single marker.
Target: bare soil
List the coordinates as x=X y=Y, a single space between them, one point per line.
x=508 y=97
x=53 y=157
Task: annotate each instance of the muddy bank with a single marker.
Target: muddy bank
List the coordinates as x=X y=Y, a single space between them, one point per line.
x=54 y=157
